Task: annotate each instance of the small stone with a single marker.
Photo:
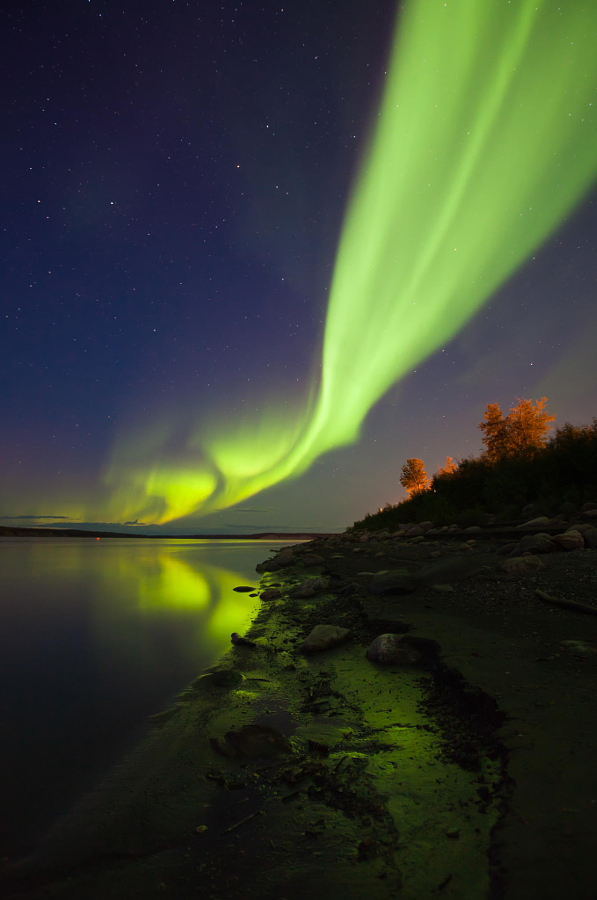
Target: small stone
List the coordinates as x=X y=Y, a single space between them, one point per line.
x=322 y=637
x=337 y=556
x=201 y=829
x=272 y=594
x=221 y=678
x=442 y=588
x=241 y=641
x=418 y=539
x=391 y=649
x=243 y=589
x=521 y=565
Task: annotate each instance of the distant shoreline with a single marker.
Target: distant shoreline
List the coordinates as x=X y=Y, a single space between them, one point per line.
x=14 y=531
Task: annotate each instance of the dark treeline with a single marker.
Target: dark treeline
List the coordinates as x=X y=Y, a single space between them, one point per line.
x=562 y=470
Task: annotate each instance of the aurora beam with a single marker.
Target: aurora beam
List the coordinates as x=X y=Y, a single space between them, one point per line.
x=486 y=139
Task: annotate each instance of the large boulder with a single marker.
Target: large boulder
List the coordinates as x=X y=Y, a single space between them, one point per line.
x=536 y=543
x=391 y=650
x=590 y=538
x=536 y=523
x=569 y=540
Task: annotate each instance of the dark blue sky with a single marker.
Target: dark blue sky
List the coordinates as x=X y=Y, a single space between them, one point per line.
x=174 y=181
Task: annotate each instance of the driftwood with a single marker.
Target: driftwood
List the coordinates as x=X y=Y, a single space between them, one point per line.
x=567 y=604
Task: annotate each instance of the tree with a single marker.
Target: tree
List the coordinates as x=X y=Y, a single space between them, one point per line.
x=520 y=433
x=413 y=476
x=494 y=431
x=450 y=467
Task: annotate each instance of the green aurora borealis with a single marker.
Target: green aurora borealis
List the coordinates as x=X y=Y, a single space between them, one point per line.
x=485 y=139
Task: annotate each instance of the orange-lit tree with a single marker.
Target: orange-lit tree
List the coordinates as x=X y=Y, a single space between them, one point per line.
x=413 y=476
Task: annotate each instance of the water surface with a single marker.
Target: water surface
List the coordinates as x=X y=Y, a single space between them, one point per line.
x=95 y=635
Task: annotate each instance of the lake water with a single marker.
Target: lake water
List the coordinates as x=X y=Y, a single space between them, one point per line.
x=96 y=635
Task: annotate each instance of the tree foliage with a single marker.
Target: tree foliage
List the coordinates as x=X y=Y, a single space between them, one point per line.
x=413 y=476
x=449 y=468
x=521 y=433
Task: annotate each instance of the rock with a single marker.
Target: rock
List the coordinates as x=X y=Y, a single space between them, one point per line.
x=415 y=531
x=418 y=539
x=253 y=741
x=589 y=514
x=241 y=641
x=221 y=678
x=579 y=648
x=528 y=510
x=427 y=647
x=473 y=528
x=243 y=589
x=426 y=526
x=590 y=504
x=507 y=548
x=271 y=594
x=442 y=588
x=535 y=523
x=322 y=637
x=590 y=538
x=396 y=581
x=570 y=540
x=268 y=566
x=391 y=649
x=285 y=557
x=568 y=509
x=536 y=543
x=521 y=565
x=309 y=588
x=312 y=559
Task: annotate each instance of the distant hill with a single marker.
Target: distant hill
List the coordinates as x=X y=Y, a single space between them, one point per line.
x=14 y=531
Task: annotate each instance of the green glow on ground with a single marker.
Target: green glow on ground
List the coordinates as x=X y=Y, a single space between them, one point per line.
x=485 y=140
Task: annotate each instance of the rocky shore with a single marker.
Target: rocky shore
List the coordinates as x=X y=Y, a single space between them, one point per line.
x=410 y=715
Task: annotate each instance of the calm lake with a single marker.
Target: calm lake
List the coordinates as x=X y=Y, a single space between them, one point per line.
x=96 y=635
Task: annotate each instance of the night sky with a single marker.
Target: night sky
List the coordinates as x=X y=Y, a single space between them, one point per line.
x=174 y=185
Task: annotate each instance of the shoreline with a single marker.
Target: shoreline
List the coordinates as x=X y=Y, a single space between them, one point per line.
x=183 y=815
x=17 y=531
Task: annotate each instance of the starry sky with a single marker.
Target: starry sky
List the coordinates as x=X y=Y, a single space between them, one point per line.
x=174 y=185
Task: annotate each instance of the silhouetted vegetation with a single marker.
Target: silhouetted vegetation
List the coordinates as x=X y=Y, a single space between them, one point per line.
x=539 y=471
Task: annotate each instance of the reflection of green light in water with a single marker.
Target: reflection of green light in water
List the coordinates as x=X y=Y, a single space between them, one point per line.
x=485 y=140
x=175 y=586
x=178 y=585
